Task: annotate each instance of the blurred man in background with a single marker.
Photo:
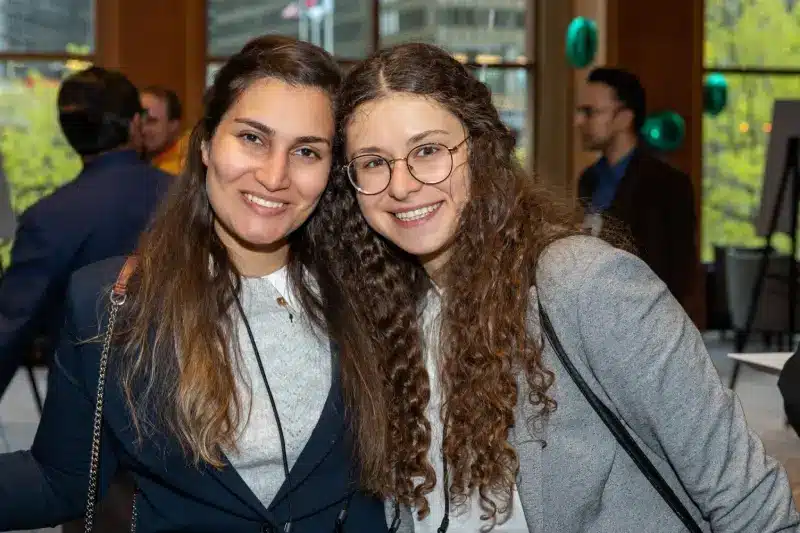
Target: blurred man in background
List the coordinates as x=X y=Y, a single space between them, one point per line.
x=633 y=186
x=162 y=128
x=100 y=214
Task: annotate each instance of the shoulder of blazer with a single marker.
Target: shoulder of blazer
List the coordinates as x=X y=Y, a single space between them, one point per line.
x=89 y=292
x=648 y=173
x=658 y=167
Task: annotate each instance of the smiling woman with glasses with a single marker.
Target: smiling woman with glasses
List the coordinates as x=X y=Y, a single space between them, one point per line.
x=504 y=371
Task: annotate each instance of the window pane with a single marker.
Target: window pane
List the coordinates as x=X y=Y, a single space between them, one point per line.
x=752 y=33
x=35 y=156
x=510 y=94
x=47 y=26
x=477 y=31
x=211 y=71
x=734 y=149
x=344 y=30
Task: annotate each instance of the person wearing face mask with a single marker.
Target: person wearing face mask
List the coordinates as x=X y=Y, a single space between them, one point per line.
x=201 y=365
x=633 y=186
x=97 y=215
x=500 y=362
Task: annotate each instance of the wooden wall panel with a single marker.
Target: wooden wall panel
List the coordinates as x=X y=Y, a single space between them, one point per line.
x=662 y=42
x=156 y=42
x=553 y=95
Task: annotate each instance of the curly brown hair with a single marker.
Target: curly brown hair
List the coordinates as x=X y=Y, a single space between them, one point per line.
x=176 y=366
x=510 y=218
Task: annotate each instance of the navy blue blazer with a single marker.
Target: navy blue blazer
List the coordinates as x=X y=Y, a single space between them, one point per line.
x=47 y=485
x=100 y=214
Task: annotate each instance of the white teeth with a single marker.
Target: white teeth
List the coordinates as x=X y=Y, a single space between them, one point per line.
x=416 y=214
x=264 y=203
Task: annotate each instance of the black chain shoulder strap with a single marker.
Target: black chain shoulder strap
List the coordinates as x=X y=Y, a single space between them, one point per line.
x=117 y=297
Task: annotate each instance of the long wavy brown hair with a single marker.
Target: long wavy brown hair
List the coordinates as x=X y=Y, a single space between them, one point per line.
x=177 y=367
x=510 y=218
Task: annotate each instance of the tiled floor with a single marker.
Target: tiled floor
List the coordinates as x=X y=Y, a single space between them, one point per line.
x=758 y=393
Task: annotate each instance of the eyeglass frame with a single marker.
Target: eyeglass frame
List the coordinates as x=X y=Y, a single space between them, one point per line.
x=390 y=163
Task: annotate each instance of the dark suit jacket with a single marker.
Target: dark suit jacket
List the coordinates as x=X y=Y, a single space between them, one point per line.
x=100 y=214
x=655 y=201
x=47 y=485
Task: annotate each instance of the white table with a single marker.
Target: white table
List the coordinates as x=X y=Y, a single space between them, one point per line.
x=771 y=362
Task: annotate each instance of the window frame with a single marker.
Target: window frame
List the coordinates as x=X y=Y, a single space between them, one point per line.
x=62 y=56
x=529 y=66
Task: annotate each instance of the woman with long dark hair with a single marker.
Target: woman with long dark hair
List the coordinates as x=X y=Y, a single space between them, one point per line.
x=205 y=371
x=507 y=371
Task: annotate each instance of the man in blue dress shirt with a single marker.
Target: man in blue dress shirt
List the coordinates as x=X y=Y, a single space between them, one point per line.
x=99 y=214
x=633 y=186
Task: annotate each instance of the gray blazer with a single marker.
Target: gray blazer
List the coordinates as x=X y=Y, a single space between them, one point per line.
x=634 y=345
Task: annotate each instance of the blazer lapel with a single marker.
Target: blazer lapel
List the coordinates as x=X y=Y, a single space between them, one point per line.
x=625 y=195
x=162 y=457
x=586 y=184
x=327 y=434
x=229 y=479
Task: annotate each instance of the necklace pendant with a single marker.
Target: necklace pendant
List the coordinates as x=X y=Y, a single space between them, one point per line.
x=283 y=303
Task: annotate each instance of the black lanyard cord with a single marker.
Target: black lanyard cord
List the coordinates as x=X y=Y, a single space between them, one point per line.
x=287 y=528
x=446 y=481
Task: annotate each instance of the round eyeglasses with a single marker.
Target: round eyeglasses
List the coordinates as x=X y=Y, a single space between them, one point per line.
x=429 y=163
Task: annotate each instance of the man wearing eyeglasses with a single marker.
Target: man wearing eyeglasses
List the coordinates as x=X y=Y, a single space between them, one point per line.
x=632 y=185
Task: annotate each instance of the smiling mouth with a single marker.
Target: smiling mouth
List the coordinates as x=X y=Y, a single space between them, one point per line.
x=263 y=202
x=417 y=214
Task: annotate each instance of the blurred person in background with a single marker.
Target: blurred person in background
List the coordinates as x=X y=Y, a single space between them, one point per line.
x=164 y=145
x=99 y=214
x=630 y=184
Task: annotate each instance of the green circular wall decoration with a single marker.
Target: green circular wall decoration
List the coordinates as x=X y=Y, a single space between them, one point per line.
x=664 y=131
x=715 y=94
x=581 y=42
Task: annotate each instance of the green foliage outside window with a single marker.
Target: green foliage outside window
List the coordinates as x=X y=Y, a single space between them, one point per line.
x=36 y=157
x=742 y=34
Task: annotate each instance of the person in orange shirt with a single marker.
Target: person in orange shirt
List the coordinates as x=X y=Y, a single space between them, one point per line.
x=164 y=142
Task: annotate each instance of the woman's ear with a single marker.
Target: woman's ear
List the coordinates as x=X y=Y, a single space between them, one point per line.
x=204 y=152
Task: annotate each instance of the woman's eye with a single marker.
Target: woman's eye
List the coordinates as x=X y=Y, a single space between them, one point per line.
x=307 y=152
x=251 y=138
x=427 y=150
x=371 y=163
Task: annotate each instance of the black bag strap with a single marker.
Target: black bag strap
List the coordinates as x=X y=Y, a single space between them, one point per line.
x=618 y=430
x=118 y=297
